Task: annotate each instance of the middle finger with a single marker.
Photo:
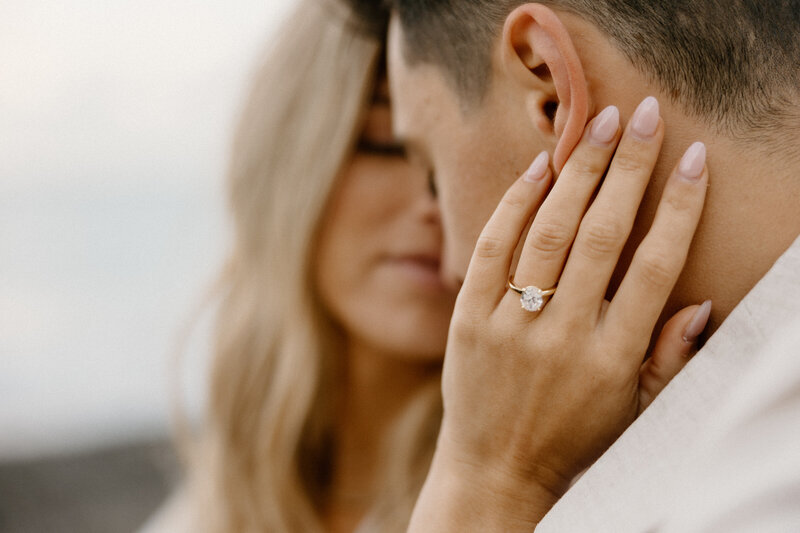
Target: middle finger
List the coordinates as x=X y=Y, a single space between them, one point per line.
x=606 y=226
x=556 y=223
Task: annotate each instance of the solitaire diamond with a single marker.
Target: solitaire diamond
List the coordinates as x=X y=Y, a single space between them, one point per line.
x=531 y=299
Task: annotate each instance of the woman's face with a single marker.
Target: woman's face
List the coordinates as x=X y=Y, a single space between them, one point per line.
x=380 y=249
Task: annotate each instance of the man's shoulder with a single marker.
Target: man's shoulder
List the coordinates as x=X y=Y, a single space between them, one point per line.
x=746 y=476
x=737 y=380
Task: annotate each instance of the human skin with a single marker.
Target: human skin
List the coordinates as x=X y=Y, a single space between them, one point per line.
x=377 y=276
x=377 y=264
x=394 y=316
x=531 y=399
x=476 y=151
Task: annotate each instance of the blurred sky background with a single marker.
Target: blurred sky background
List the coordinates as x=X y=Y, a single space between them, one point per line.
x=115 y=120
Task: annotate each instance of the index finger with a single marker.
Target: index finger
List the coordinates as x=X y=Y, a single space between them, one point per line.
x=487 y=275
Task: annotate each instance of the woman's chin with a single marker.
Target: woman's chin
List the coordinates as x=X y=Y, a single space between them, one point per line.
x=416 y=353
x=412 y=334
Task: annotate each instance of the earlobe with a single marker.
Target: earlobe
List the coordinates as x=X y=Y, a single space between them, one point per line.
x=541 y=42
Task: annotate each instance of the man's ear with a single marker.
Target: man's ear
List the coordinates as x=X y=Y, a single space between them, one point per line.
x=539 y=52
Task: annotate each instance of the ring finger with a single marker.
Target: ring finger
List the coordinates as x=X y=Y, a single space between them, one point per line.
x=556 y=223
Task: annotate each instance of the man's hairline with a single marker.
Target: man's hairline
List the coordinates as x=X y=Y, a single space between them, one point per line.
x=467 y=102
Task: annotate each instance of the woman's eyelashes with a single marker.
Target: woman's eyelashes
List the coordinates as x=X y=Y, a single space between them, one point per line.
x=368 y=146
x=432 y=184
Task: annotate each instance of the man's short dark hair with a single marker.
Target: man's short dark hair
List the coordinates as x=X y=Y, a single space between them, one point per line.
x=735 y=63
x=371 y=17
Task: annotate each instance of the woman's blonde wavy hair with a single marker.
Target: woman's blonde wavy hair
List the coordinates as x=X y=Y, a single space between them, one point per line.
x=262 y=459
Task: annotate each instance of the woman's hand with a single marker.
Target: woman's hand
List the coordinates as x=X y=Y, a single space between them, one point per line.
x=533 y=398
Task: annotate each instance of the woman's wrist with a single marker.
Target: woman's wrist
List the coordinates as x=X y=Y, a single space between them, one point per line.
x=461 y=495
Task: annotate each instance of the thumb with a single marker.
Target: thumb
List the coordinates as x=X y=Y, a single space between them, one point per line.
x=674 y=347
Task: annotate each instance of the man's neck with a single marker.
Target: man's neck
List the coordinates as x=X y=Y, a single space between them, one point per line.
x=751 y=217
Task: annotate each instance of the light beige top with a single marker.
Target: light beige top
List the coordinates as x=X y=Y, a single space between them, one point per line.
x=719 y=449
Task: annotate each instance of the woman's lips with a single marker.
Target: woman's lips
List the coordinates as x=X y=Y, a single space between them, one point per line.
x=420 y=269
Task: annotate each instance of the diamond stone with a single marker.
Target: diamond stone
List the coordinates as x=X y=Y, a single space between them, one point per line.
x=531 y=299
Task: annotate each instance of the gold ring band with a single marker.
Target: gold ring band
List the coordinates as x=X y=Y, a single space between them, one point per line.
x=545 y=292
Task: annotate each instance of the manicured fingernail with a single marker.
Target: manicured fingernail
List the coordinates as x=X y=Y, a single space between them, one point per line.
x=605 y=125
x=693 y=162
x=645 y=120
x=538 y=169
x=698 y=323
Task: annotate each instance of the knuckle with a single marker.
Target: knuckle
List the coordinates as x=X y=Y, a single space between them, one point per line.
x=515 y=201
x=557 y=339
x=576 y=325
x=628 y=162
x=614 y=364
x=612 y=374
x=602 y=236
x=678 y=204
x=656 y=370
x=618 y=352
x=489 y=247
x=550 y=347
x=505 y=330
x=589 y=166
x=550 y=237
x=657 y=270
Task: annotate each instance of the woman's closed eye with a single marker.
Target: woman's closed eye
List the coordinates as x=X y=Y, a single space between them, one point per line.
x=432 y=184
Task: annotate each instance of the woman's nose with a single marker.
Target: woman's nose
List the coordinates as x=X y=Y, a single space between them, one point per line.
x=432 y=185
x=429 y=207
x=425 y=196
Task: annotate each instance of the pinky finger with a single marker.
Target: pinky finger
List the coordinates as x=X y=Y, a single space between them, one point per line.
x=487 y=274
x=675 y=345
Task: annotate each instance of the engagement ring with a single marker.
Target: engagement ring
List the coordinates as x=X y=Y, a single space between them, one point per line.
x=532 y=298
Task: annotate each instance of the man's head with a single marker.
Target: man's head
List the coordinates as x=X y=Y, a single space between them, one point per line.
x=480 y=86
x=724 y=60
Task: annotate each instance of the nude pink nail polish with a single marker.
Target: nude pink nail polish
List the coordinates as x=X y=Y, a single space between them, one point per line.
x=698 y=323
x=645 y=119
x=538 y=169
x=693 y=162
x=605 y=125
